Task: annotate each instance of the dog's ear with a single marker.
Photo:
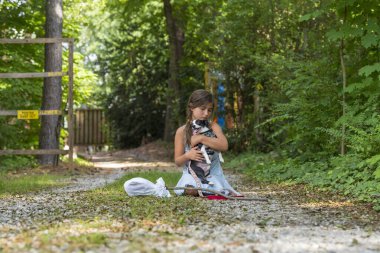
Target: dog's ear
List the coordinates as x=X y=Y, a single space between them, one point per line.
x=198 y=123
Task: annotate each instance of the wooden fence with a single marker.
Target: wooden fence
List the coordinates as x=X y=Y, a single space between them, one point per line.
x=90 y=127
x=34 y=114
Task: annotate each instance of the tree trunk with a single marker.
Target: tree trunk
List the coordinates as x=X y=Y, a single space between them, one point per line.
x=256 y=113
x=272 y=26
x=52 y=90
x=240 y=107
x=230 y=112
x=342 y=141
x=176 y=40
x=344 y=77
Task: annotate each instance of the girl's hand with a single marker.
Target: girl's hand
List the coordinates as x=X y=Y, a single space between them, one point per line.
x=195 y=154
x=195 y=139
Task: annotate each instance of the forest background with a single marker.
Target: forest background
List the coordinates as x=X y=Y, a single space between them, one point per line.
x=301 y=79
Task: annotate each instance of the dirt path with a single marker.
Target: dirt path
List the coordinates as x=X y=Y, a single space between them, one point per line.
x=292 y=221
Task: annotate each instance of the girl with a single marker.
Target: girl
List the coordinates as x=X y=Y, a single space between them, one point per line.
x=200 y=107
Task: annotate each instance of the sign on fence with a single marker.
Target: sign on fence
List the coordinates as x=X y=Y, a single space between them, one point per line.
x=27 y=114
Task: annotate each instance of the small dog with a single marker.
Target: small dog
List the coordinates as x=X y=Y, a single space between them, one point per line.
x=202 y=169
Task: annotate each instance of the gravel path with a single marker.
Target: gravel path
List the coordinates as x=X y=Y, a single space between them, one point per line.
x=281 y=225
x=21 y=210
x=276 y=226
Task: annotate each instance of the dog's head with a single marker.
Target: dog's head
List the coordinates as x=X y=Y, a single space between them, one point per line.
x=198 y=124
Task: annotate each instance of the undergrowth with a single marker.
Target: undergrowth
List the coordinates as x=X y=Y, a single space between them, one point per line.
x=14 y=163
x=349 y=175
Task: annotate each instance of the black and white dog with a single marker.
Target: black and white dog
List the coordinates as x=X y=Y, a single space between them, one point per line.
x=202 y=169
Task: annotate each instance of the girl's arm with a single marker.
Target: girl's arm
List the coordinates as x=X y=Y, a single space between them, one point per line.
x=180 y=157
x=220 y=143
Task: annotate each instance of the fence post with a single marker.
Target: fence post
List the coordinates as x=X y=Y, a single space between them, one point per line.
x=70 y=98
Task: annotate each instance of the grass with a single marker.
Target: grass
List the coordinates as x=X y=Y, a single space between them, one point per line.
x=70 y=236
x=22 y=175
x=89 y=238
x=79 y=161
x=21 y=184
x=176 y=210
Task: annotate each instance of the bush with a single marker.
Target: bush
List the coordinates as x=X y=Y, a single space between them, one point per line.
x=11 y=163
x=349 y=175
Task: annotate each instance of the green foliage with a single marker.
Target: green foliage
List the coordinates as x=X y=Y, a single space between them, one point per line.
x=18 y=20
x=131 y=57
x=349 y=175
x=369 y=69
x=20 y=94
x=14 y=163
x=310 y=103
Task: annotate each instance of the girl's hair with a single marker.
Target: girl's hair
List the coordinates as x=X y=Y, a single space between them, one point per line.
x=197 y=99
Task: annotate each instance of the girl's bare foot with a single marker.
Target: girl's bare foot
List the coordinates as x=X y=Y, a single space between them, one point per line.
x=234 y=194
x=191 y=192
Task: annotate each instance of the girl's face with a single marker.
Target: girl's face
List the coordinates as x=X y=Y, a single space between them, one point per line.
x=202 y=112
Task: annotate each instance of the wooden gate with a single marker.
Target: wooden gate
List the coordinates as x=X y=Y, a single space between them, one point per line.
x=90 y=127
x=34 y=114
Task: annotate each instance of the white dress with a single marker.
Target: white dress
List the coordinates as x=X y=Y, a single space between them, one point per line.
x=216 y=177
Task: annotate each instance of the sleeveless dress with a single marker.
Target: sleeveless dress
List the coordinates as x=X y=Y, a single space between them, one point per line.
x=216 y=177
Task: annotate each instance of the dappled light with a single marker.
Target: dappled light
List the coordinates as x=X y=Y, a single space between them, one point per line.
x=330 y=204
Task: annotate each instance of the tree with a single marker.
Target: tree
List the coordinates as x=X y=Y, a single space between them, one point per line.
x=52 y=89
x=176 y=40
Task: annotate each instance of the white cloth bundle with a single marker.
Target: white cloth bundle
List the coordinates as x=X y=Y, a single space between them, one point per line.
x=139 y=186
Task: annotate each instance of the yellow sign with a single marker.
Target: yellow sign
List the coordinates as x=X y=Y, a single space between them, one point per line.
x=27 y=114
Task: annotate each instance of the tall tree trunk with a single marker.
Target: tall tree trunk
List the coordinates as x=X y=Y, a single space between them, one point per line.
x=240 y=107
x=272 y=26
x=256 y=113
x=176 y=40
x=230 y=112
x=342 y=141
x=344 y=77
x=52 y=90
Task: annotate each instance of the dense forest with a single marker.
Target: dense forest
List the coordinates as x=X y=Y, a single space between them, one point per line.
x=301 y=79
